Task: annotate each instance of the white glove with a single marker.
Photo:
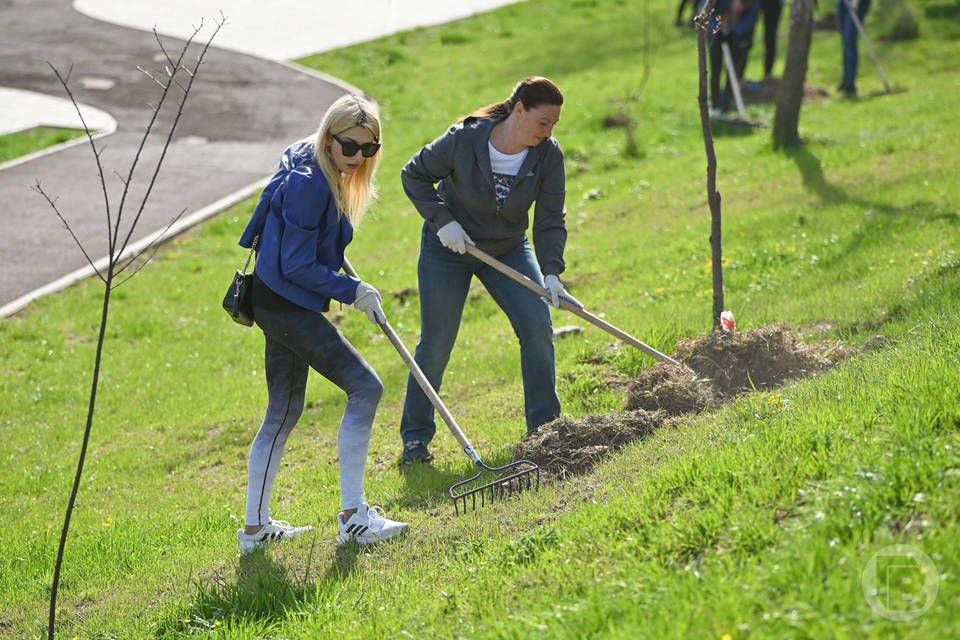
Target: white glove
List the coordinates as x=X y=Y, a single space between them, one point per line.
x=368 y=301
x=555 y=288
x=453 y=237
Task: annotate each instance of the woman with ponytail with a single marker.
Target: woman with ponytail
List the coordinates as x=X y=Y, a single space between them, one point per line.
x=489 y=168
x=300 y=228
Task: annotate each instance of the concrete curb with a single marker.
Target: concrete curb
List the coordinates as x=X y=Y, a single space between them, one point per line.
x=156 y=237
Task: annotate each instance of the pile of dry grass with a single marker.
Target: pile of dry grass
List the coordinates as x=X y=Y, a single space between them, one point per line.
x=759 y=359
x=715 y=368
x=569 y=445
x=675 y=390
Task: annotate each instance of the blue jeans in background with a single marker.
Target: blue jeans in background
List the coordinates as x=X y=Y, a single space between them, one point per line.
x=444 y=279
x=849 y=35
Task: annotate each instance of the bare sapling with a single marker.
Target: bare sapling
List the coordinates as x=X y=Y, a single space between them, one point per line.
x=175 y=81
x=702 y=24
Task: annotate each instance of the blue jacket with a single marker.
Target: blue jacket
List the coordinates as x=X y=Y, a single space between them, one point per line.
x=302 y=237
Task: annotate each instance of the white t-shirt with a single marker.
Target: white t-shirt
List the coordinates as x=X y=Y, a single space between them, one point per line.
x=505 y=167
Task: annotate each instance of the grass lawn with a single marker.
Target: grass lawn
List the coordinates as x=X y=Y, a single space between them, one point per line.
x=755 y=521
x=21 y=143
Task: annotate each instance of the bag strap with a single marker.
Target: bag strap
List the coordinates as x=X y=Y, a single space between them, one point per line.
x=253 y=247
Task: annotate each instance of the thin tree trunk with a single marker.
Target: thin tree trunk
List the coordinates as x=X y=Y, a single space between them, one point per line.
x=790 y=96
x=83 y=452
x=713 y=197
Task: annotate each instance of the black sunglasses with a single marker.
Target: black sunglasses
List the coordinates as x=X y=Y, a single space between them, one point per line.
x=350 y=147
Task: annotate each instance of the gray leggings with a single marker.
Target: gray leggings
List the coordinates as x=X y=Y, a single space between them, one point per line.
x=297 y=339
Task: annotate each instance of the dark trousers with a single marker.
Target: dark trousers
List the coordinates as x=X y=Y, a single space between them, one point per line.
x=739 y=50
x=297 y=340
x=771 y=18
x=444 y=278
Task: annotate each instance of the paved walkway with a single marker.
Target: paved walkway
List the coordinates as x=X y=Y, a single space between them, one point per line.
x=240 y=114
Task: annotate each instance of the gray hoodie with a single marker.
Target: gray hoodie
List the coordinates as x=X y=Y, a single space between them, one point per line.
x=459 y=161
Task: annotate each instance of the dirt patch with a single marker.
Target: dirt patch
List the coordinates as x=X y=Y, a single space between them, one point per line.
x=765 y=91
x=826 y=22
x=715 y=368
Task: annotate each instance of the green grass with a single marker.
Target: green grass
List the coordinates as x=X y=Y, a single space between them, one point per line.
x=16 y=145
x=754 y=521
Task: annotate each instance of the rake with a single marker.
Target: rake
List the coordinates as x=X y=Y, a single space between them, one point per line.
x=568 y=306
x=734 y=82
x=513 y=478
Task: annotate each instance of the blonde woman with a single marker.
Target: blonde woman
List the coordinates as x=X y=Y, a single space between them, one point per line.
x=304 y=221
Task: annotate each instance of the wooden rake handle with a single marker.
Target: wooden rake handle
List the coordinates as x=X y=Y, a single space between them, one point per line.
x=422 y=380
x=564 y=304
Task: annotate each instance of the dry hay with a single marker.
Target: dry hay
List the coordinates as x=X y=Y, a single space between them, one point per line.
x=572 y=445
x=759 y=359
x=714 y=368
x=675 y=390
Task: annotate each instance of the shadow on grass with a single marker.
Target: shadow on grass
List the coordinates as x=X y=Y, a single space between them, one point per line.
x=426 y=483
x=262 y=590
x=811 y=171
x=732 y=128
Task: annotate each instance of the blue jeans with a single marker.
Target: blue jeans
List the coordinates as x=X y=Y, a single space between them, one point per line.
x=849 y=35
x=444 y=279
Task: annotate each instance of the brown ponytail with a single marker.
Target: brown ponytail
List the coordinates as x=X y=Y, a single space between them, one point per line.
x=531 y=92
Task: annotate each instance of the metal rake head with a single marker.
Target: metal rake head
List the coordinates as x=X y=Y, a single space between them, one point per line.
x=512 y=483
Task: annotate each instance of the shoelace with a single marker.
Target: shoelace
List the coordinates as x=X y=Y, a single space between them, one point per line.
x=376 y=517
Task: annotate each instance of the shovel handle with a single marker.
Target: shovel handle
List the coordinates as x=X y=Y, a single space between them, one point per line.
x=564 y=304
x=422 y=380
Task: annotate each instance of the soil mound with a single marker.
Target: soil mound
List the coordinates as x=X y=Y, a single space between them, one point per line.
x=715 y=368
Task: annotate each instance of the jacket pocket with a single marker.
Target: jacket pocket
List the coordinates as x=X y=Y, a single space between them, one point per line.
x=522 y=194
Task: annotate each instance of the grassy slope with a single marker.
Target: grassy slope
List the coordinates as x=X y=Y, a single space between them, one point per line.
x=755 y=520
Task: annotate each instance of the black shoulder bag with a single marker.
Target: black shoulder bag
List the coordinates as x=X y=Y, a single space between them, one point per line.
x=238 y=302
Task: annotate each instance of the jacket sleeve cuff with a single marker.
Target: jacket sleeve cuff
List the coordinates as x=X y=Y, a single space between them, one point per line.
x=552 y=268
x=441 y=219
x=347 y=293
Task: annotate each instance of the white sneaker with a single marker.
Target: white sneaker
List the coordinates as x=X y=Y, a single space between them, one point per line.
x=269 y=534
x=368 y=525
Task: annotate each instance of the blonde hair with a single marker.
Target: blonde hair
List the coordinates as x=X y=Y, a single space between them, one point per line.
x=352 y=193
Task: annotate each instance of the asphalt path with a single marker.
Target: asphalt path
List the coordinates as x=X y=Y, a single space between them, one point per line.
x=240 y=114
